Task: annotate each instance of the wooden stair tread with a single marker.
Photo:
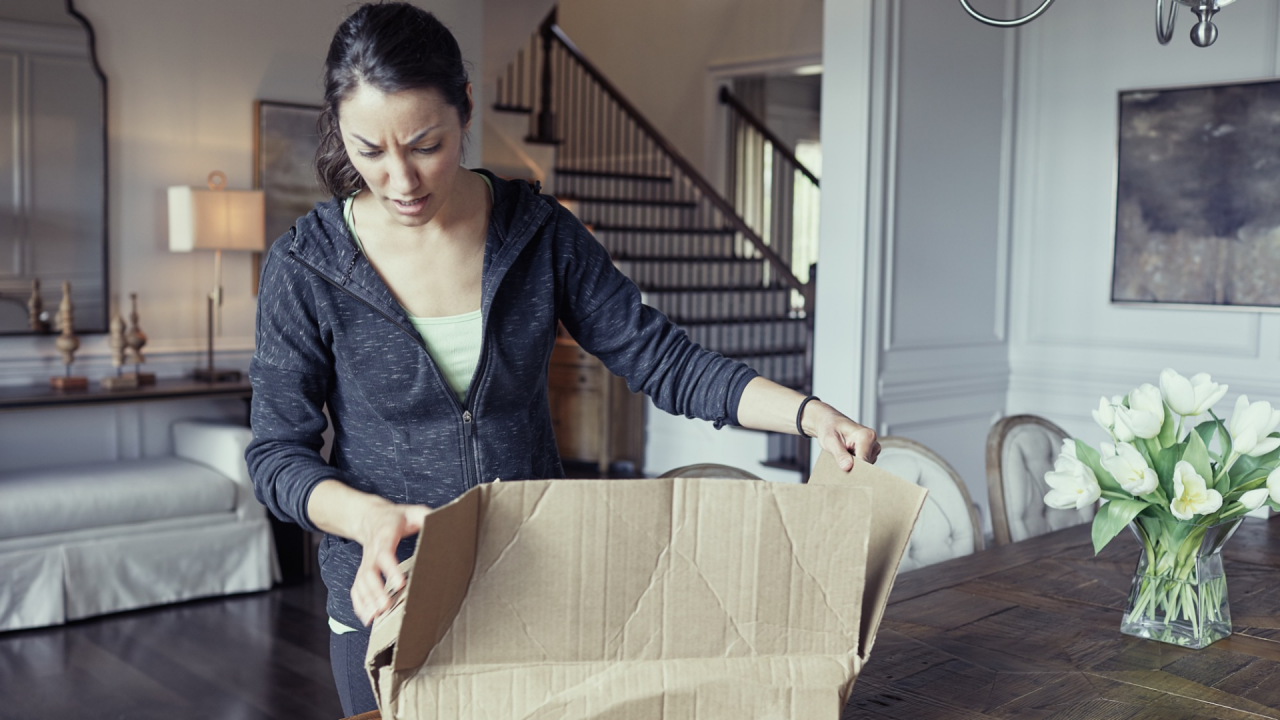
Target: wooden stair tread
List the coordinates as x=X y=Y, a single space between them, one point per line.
x=608 y=175
x=601 y=200
x=628 y=257
x=601 y=227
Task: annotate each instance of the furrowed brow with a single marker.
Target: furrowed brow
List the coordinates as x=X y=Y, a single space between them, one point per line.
x=416 y=138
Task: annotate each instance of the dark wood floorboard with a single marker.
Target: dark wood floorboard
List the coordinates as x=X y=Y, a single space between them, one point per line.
x=262 y=656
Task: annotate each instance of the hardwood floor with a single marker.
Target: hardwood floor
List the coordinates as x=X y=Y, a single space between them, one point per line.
x=261 y=656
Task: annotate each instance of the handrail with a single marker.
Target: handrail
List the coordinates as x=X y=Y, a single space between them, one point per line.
x=693 y=174
x=728 y=98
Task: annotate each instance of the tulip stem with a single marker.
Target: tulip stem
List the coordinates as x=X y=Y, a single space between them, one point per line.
x=1226 y=466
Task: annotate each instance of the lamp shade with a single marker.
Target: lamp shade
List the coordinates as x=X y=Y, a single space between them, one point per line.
x=216 y=220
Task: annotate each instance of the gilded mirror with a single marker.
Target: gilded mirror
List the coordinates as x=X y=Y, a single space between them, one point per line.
x=53 y=196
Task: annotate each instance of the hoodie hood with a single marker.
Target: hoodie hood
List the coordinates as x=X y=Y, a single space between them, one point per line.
x=321 y=241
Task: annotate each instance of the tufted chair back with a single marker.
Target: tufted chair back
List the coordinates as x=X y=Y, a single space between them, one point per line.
x=709 y=470
x=1020 y=450
x=948 y=525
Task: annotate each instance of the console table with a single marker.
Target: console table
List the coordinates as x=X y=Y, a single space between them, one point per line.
x=43 y=396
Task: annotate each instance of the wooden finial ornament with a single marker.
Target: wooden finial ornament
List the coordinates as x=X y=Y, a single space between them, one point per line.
x=67 y=344
x=35 y=309
x=119 y=348
x=134 y=339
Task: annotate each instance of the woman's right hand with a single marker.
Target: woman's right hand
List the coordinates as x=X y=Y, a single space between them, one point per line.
x=380 y=529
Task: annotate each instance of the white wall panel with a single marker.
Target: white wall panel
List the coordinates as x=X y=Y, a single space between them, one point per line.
x=946 y=224
x=943 y=374
x=1069 y=344
x=846 y=307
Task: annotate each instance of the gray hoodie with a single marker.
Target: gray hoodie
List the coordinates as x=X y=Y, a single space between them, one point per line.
x=331 y=334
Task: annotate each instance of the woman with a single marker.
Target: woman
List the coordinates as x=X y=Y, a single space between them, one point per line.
x=420 y=306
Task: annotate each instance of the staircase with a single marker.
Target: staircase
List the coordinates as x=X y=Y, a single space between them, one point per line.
x=688 y=248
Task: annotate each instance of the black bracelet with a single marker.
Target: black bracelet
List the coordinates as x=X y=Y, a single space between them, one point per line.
x=800 y=414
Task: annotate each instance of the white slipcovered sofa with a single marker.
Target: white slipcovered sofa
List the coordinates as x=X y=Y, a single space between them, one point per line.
x=83 y=540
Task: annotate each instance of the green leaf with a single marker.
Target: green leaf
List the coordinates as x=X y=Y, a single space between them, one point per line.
x=1112 y=518
x=1089 y=457
x=1246 y=466
x=1198 y=455
x=1258 y=473
x=1164 y=462
x=1147 y=448
x=1224 y=439
x=1244 y=487
x=1169 y=430
x=1206 y=431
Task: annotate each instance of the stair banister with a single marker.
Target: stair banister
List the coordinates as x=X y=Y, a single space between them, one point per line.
x=729 y=212
x=546 y=116
x=732 y=101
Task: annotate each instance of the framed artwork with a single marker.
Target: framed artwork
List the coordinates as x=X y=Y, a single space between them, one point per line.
x=1198 y=196
x=285 y=143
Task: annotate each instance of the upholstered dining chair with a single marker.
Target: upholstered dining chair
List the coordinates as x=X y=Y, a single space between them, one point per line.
x=948 y=525
x=1020 y=450
x=709 y=470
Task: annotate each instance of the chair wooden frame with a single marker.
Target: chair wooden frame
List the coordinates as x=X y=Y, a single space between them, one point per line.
x=995 y=468
x=709 y=470
x=894 y=441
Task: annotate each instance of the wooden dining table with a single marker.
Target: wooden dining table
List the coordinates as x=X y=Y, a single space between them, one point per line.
x=1032 y=630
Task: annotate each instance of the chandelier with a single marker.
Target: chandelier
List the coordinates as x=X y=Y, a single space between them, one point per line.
x=1203 y=33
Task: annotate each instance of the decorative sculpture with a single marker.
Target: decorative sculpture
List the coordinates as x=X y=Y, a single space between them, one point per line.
x=67 y=344
x=35 y=309
x=119 y=349
x=134 y=339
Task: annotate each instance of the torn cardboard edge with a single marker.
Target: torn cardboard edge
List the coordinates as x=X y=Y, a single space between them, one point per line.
x=482 y=618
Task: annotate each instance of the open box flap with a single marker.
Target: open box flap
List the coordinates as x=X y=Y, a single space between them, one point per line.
x=897 y=506
x=402 y=638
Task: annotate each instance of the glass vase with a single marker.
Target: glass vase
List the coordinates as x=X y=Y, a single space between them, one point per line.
x=1179 y=593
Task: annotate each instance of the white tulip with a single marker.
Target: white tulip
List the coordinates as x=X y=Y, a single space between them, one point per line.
x=1074 y=486
x=1191 y=494
x=1129 y=469
x=1105 y=415
x=1144 y=416
x=1273 y=485
x=1069 y=448
x=1190 y=397
x=1253 y=499
x=1250 y=425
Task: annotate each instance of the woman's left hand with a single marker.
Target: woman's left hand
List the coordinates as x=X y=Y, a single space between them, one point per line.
x=839 y=435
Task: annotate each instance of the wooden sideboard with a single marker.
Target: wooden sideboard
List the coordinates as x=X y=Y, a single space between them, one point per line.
x=595 y=417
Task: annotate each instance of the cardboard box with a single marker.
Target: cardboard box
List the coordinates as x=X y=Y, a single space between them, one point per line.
x=642 y=599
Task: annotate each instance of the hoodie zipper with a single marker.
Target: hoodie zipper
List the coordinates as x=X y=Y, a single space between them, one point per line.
x=471 y=468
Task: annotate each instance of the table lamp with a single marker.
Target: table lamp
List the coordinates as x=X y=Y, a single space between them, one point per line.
x=215 y=219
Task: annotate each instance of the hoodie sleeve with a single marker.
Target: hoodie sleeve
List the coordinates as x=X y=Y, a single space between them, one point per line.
x=602 y=309
x=292 y=374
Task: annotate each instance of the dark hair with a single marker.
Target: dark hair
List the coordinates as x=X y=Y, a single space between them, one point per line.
x=392 y=46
